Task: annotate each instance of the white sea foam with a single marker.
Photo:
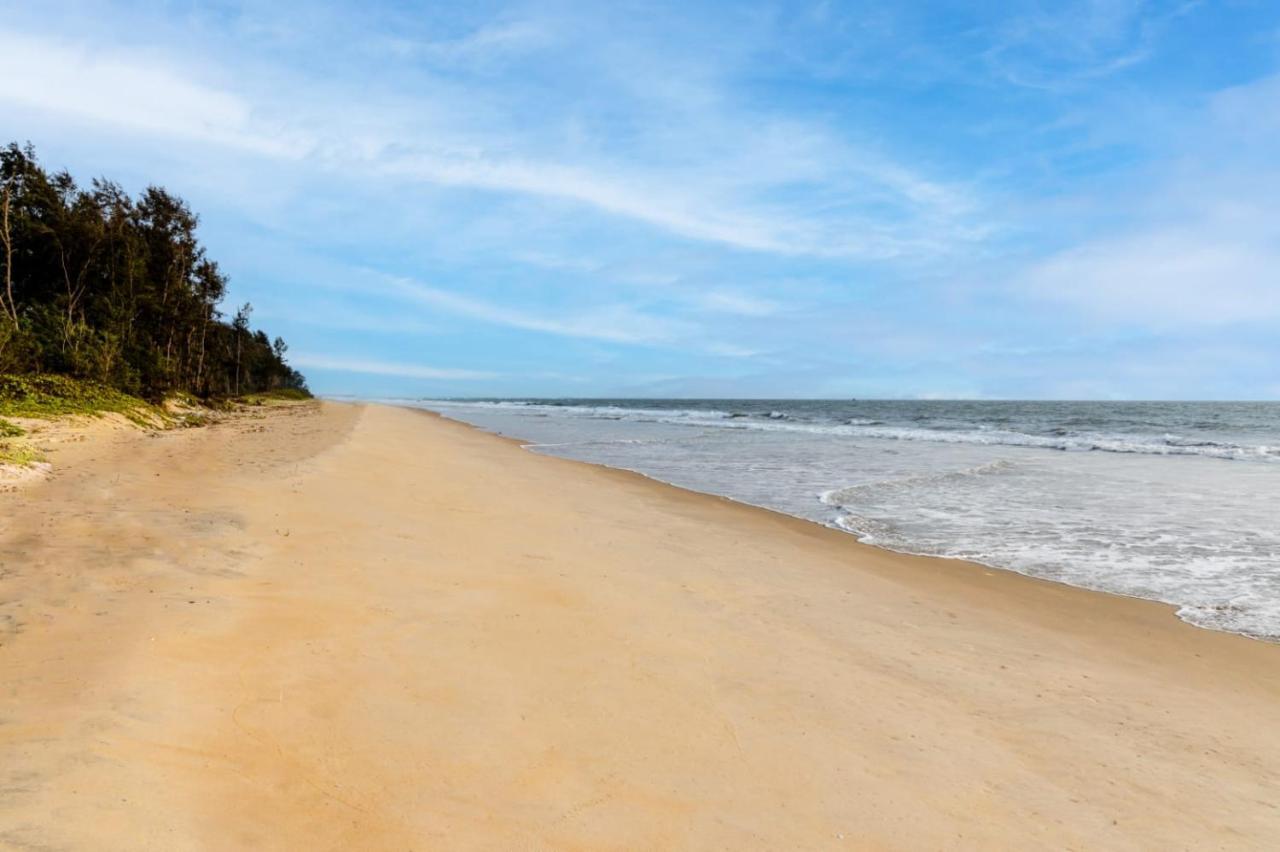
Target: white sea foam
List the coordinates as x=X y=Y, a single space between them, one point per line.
x=838 y=497
x=986 y=435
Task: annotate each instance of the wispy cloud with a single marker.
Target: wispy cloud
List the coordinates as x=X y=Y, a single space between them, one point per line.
x=1200 y=246
x=731 y=350
x=482 y=46
x=654 y=204
x=1073 y=42
x=612 y=323
x=1171 y=278
x=785 y=198
x=717 y=194
x=739 y=304
x=105 y=88
x=386 y=368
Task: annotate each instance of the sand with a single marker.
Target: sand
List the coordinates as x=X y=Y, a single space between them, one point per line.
x=357 y=627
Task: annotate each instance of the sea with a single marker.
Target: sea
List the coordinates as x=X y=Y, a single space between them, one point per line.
x=1176 y=502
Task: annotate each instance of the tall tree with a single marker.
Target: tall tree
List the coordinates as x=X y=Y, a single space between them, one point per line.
x=241 y=325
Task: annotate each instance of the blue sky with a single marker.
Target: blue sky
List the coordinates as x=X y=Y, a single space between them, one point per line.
x=930 y=199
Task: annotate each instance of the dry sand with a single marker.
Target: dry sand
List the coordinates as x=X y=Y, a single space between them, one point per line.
x=341 y=627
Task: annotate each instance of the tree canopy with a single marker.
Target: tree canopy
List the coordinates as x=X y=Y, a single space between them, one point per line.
x=101 y=286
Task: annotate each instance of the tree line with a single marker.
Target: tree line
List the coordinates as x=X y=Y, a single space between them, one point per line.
x=101 y=286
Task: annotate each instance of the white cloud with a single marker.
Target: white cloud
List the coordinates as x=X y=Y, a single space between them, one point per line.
x=1203 y=246
x=732 y=350
x=1168 y=278
x=651 y=200
x=485 y=44
x=739 y=304
x=347 y=319
x=103 y=88
x=1071 y=42
x=385 y=368
x=613 y=323
x=691 y=182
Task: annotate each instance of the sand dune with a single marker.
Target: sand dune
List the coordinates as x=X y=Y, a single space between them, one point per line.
x=358 y=627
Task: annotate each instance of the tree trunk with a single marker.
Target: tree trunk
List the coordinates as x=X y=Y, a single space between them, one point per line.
x=204 y=330
x=10 y=306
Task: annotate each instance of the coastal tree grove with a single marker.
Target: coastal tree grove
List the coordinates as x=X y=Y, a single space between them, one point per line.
x=101 y=286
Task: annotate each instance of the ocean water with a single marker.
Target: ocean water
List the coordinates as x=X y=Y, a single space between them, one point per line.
x=1174 y=502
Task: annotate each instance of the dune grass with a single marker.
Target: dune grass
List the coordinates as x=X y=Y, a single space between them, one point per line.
x=278 y=395
x=47 y=396
x=13 y=450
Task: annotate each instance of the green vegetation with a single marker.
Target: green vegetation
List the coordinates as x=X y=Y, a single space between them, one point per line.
x=48 y=396
x=119 y=293
x=193 y=420
x=11 y=450
x=19 y=454
x=278 y=395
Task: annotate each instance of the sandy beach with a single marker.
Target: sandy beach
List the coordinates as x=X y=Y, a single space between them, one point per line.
x=332 y=626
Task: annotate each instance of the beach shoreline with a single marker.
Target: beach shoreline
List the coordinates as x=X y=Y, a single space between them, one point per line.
x=359 y=626
x=964 y=564
x=1170 y=520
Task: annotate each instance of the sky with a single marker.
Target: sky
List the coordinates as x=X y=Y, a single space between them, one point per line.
x=1021 y=199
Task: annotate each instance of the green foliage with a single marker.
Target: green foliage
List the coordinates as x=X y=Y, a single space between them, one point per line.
x=277 y=395
x=48 y=396
x=19 y=454
x=119 y=292
x=292 y=394
x=12 y=451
